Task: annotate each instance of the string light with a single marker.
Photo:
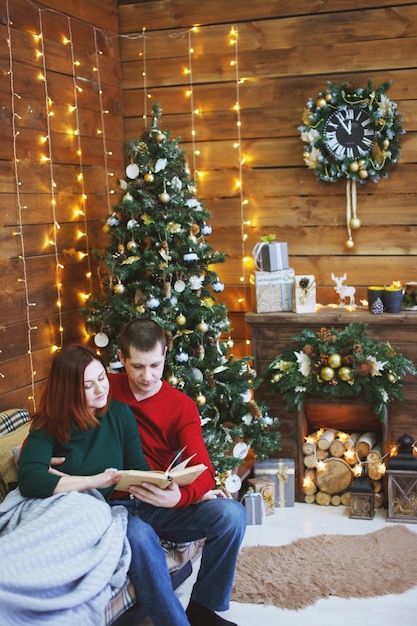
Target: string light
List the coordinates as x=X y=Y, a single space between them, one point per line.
x=20 y=233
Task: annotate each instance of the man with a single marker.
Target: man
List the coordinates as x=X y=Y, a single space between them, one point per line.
x=168 y=421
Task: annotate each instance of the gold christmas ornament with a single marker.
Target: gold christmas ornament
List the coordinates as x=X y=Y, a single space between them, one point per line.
x=349 y=244
x=164 y=197
x=181 y=320
x=201 y=399
x=149 y=178
x=345 y=373
x=327 y=373
x=132 y=246
x=202 y=327
x=173 y=380
x=355 y=223
x=119 y=288
x=335 y=360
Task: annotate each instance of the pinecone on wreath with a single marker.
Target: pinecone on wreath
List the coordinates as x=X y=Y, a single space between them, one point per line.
x=377 y=307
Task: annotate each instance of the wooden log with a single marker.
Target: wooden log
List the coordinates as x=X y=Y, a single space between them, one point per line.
x=376 y=470
x=310 y=460
x=309 y=499
x=326 y=439
x=323 y=498
x=345 y=498
x=351 y=456
x=378 y=486
x=375 y=454
x=365 y=444
x=321 y=455
x=335 y=500
x=337 y=448
x=335 y=477
x=308 y=447
x=351 y=442
x=309 y=484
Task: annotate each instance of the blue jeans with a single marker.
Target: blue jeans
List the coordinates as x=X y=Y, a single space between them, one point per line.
x=223 y=523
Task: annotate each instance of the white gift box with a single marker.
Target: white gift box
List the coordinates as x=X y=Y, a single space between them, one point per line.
x=273 y=290
x=271 y=257
x=305 y=294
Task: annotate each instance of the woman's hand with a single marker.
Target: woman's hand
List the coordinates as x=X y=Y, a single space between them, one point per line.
x=105 y=479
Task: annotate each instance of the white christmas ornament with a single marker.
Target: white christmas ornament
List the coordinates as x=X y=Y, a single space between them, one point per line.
x=153 y=303
x=267 y=420
x=160 y=165
x=127 y=197
x=217 y=286
x=196 y=282
x=181 y=357
x=206 y=229
x=179 y=286
x=176 y=183
x=233 y=483
x=122 y=184
x=247 y=419
x=132 y=171
x=240 y=450
x=198 y=374
x=112 y=221
x=131 y=224
x=101 y=340
x=246 y=395
x=190 y=257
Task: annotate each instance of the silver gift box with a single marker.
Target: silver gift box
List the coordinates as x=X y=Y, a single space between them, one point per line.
x=254 y=507
x=271 y=257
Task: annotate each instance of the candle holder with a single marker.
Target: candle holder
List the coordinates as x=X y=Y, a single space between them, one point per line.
x=362 y=499
x=402 y=483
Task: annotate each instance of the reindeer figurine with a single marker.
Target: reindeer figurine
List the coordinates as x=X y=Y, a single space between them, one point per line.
x=343 y=290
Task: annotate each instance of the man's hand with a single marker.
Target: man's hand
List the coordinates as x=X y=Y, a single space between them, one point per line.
x=212 y=495
x=151 y=494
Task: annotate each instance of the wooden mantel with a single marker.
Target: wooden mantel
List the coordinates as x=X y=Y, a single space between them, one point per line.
x=271 y=332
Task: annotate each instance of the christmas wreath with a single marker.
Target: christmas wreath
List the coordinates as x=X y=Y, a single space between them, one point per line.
x=336 y=364
x=383 y=118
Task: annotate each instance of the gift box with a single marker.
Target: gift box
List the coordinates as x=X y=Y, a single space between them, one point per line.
x=265 y=486
x=273 y=290
x=282 y=473
x=254 y=507
x=305 y=294
x=271 y=257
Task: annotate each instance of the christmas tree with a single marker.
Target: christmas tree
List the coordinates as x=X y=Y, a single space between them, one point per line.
x=159 y=265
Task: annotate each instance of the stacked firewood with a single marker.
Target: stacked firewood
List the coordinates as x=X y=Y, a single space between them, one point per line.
x=332 y=459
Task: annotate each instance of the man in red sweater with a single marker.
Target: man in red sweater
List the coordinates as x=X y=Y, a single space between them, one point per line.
x=168 y=421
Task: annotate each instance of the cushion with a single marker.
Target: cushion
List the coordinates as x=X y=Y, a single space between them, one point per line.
x=8 y=469
x=11 y=420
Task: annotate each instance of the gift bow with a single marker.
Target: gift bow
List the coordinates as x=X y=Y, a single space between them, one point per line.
x=282 y=472
x=268 y=238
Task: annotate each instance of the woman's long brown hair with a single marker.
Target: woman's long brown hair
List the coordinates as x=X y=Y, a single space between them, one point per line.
x=63 y=404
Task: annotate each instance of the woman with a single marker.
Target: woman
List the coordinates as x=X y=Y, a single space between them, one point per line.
x=77 y=421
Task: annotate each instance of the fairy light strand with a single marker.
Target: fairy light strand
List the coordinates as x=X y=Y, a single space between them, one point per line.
x=29 y=304
x=83 y=199
x=145 y=79
x=234 y=39
x=191 y=94
x=48 y=146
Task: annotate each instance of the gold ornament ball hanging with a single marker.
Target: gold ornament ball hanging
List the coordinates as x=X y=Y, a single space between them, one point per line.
x=160 y=137
x=349 y=244
x=149 y=178
x=363 y=174
x=173 y=380
x=385 y=144
x=202 y=327
x=201 y=399
x=119 y=289
x=321 y=102
x=164 y=197
x=355 y=223
x=181 y=320
x=132 y=245
x=106 y=229
x=121 y=248
x=354 y=166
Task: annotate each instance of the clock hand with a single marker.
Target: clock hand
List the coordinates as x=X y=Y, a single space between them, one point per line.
x=348 y=129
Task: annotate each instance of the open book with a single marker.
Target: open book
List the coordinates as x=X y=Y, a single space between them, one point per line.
x=180 y=473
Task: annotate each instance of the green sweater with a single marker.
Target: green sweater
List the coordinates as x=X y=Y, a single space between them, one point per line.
x=114 y=443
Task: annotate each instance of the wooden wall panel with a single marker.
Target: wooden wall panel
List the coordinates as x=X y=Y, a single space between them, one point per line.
x=286 y=54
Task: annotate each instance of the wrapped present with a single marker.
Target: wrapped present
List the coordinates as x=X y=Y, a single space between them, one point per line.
x=254 y=507
x=265 y=486
x=271 y=256
x=305 y=294
x=273 y=290
x=282 y=472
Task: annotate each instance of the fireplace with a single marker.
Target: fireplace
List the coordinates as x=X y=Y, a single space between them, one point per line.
x=354 y=419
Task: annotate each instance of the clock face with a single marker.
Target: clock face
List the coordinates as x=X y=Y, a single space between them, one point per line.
x=348 y=133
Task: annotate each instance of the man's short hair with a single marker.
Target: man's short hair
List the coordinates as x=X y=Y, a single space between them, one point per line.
x=143 y=335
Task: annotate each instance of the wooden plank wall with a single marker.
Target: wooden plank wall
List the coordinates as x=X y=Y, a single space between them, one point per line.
x=41 y=189
x=286 y=52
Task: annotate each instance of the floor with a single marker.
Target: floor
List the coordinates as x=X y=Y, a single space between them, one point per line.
x=304 y=520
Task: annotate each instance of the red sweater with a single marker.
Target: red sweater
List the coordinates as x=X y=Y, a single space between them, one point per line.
x=168 y=422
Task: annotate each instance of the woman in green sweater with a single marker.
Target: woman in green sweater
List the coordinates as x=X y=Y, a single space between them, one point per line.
x=77 y=420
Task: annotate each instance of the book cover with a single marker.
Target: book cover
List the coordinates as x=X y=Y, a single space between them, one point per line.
x=182 y=476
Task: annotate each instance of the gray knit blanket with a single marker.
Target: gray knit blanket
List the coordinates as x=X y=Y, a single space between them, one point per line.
x=60 y=558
